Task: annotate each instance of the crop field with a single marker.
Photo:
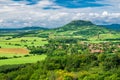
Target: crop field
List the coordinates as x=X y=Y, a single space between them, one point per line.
x=22 y=60
x=14 y=51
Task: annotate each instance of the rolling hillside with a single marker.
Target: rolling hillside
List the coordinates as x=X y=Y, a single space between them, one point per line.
x=85 y=29
x=78 y=28
x=20 y=31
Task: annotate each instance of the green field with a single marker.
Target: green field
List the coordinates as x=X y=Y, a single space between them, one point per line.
x=21 y=42
x=22 y=60
x=9 y=55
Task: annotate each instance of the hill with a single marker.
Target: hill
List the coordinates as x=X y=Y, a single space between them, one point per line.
x=113 y=27
x=75 y=24
x=24 y=28
x=83 y=29
x=19 y=31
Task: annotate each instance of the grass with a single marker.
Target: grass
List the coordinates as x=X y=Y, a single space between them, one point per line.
x=105 y=36
x=17 y=43
x=22 y=60
x=10 y=55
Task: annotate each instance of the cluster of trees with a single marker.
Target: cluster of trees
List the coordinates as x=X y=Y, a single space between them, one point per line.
x=74 y=46
x=67 y=67
x=4 y=57
x=116 y=39
x=66 y=40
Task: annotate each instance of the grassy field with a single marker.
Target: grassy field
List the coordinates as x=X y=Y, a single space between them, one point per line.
x=10 y=55
x=21 y=42
x=105 y=36
x=22 y=60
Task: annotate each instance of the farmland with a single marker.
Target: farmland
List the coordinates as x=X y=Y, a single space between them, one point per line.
x=15 y=49
x=22 y=59
x=21 y=42
x=59 y=61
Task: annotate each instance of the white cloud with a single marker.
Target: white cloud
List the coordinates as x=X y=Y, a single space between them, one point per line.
x=1 y=20
x=14 y=14
x=105 y=13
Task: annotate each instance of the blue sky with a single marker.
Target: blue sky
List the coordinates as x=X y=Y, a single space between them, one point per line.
x=68 y=3
x=55 y=13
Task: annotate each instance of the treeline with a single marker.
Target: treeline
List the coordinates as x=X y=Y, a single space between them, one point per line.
x=66 y=40
x=116 y=39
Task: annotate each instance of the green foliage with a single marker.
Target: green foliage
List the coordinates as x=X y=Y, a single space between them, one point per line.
x=68 y=67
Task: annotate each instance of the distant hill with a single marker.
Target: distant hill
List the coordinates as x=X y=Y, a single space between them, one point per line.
x=113 y=27
x=20 y=31
x=79 y=23
x=76 y=24
x=82 y=28
x=24 y=28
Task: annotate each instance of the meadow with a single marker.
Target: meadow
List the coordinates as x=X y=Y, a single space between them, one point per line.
x=22 y=60
x=22 y=42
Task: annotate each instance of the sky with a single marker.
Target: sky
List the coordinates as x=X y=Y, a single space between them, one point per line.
x=56 y=13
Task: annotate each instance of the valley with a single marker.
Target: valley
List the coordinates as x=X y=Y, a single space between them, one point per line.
x=79 y=50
